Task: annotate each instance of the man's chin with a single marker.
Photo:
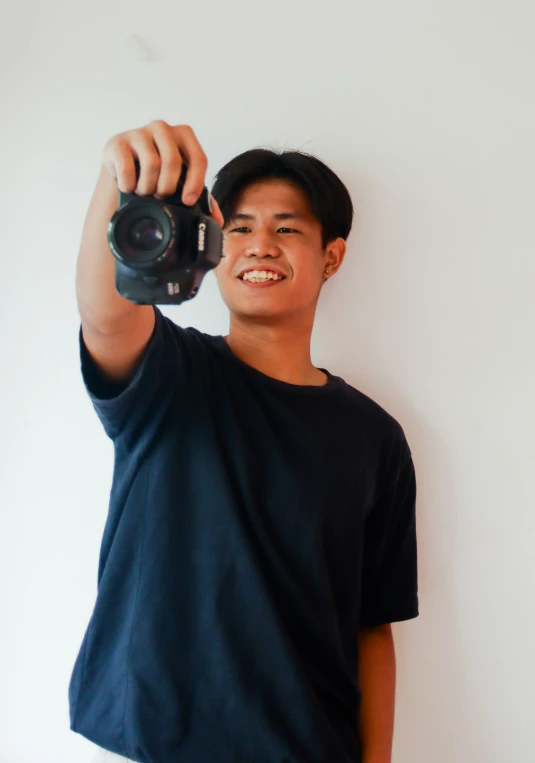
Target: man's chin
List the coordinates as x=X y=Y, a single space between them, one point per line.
x=264 y=304
x=254 y=313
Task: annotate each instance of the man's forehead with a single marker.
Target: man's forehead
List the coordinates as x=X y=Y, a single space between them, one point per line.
x=280 y=199
x=291 y=215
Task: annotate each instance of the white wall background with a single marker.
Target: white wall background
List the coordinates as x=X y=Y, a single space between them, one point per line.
x=426 y=111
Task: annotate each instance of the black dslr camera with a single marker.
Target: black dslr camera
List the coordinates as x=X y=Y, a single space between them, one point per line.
x=163 y=248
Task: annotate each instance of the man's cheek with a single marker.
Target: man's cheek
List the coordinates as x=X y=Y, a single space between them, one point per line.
x=222 y=273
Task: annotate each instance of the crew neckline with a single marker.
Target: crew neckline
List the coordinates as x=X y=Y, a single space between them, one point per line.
x=333 y=382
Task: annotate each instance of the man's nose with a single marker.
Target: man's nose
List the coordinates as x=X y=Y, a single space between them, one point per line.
x=263 y=244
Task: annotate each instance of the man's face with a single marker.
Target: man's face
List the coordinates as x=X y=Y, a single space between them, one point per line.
x=266 y=242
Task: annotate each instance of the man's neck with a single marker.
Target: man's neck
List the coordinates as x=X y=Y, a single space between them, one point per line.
x=282 y=352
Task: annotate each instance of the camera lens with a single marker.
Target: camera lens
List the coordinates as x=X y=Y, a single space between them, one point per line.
x=145 y=234
x=142 y=234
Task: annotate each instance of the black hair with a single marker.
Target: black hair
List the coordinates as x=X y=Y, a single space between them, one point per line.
x=328 y=197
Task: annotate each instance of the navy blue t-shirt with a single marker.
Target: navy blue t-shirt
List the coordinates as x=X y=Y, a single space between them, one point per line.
x=253 y=525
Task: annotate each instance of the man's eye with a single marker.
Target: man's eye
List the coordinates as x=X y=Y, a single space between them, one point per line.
x=245 y=228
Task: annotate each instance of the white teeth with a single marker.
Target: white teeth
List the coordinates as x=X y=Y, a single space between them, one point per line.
x=256 y=276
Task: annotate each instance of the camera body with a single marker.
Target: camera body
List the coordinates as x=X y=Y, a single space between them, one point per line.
x=162 y=247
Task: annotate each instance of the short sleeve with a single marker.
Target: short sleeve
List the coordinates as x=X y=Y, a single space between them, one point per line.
x=124 y=410
x=390 y=571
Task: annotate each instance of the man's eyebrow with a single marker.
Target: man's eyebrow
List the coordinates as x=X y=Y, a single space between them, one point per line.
x=241 y=216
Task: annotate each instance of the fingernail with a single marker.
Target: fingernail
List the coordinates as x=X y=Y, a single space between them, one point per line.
x=191 y=198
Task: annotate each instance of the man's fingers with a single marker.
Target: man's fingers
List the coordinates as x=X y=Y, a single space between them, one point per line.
x=216 y=212
x=197 y=162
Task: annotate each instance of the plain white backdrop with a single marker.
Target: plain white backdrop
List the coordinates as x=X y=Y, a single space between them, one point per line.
x=426 y=112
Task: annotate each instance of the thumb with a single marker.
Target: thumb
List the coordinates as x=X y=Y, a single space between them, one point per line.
x=216 y=212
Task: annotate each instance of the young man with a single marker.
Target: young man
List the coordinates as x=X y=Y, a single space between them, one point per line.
x=261 y=533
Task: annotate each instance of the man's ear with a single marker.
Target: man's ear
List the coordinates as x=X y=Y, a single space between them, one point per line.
x=334 y=256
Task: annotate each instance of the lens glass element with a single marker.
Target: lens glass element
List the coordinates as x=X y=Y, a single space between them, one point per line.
x=145 y=234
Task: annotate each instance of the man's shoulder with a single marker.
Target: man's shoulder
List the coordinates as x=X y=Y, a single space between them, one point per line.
x=376 y=418
x=188 y=334
x=366 y=405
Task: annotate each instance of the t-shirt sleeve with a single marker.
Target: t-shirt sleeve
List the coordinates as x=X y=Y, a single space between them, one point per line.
x=124 y=409
x=390 y=570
